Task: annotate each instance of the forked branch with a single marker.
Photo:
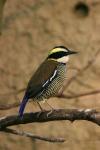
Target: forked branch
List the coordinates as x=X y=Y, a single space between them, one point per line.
x=41 y=117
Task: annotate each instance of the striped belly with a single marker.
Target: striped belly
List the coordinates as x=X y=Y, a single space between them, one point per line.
x=54 y=86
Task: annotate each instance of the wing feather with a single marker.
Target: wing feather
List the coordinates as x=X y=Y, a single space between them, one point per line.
x=42 y=77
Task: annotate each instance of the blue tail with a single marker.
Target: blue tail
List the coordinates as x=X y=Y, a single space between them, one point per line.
x=22 y=106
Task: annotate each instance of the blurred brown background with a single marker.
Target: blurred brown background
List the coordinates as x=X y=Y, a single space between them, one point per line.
x=30 y=29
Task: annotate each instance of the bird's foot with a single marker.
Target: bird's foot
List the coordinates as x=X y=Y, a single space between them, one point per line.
x=39 y=113
x=50 y=112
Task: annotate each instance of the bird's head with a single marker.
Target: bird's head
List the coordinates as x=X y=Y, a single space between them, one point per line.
x=60 y=54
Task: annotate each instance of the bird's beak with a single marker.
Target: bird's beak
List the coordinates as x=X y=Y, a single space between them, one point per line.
x=72 y=52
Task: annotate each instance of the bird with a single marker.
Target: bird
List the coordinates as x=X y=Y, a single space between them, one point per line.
x=48 y=78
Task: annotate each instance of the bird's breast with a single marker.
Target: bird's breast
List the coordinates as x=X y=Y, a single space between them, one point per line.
x=55 y=85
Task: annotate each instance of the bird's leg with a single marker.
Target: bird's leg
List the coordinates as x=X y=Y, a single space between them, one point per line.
x=40 y=106
x=52 y=109
x=42 y=110
x=49 y=106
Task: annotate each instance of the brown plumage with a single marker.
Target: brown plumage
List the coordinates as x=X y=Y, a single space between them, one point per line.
x=43 y=73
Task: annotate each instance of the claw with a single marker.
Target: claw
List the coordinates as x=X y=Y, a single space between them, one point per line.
x=39 y=113
x=50 y=112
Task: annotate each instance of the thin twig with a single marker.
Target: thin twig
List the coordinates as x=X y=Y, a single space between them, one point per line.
x=80 y=95
x=13 y=93
x=9 y=106
x=34 y=137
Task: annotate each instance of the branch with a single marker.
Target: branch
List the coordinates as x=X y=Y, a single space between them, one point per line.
x=55 y=115
x=46 y=116
x=9 y=106
x=80 y=95
x=33 y=137
x=13 y=93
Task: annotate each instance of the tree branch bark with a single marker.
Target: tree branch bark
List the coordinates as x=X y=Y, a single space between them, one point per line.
x=59 y=114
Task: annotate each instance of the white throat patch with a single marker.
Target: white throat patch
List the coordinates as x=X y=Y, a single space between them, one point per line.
x=64 y=59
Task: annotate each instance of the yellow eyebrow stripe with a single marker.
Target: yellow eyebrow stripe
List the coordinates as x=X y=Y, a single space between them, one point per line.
x=56 y=50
